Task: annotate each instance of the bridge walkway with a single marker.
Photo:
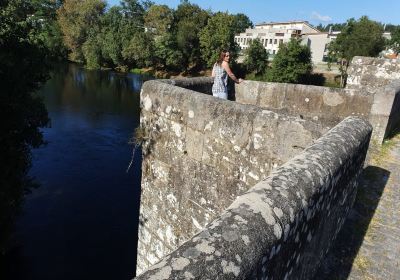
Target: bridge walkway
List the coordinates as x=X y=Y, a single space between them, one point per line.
x=368 y=246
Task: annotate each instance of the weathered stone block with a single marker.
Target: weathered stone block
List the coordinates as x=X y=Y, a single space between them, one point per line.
x=194 y=144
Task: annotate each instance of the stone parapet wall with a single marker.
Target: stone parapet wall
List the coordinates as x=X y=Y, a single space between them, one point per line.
x=372 y=73
x=372 y=92
x=283 y=226
x=322 y=104
x=199 y=84
x=200 y=153
x=381 y=77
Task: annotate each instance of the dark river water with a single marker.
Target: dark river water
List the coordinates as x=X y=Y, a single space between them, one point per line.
x=81 y=223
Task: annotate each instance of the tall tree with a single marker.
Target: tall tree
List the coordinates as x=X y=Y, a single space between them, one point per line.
x=362 y=37
x=110 y=38
x=46 y=27
x=241 y=22
x=394 y=42
x=76 y=18
x=24 y=67
x=256 y=58
x=167 y=54
x=189 y=21
x=140 y=51
x=218 y=34
x=158 y=19
x=291 y=64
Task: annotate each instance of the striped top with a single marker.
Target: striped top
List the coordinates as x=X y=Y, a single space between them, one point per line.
x=220 y=79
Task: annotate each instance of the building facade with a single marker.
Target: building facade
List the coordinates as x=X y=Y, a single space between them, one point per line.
x=273 y=34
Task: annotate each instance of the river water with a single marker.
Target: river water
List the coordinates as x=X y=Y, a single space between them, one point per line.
x=81 y=222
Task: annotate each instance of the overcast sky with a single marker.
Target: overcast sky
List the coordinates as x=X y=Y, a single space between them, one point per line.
x=314 y=11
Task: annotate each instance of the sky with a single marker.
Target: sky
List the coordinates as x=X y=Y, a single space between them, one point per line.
x=313 y=11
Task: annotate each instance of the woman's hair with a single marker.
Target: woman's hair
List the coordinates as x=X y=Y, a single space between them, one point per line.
x=221 y=56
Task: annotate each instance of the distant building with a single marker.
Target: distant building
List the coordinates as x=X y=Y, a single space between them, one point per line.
x=318 y=44
x=273 y=34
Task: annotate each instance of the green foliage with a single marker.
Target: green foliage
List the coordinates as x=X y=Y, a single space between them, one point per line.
x=139 y=52
x=256 y=58
x=240 y=23
x=76 y=18
x=333 y=26
x=394 y=42
x=167 y=54
x=110 y=37
x=92 y=53
x=190 y=19
x=158 y=19
x=217 y=35
x=291 y=64
x=362 y=37
x=24 y=67
x=46 y=28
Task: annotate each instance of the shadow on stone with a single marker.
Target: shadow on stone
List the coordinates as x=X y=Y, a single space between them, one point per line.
x=342 y=256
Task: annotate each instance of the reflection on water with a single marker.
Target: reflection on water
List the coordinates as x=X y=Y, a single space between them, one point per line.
x=82 y=221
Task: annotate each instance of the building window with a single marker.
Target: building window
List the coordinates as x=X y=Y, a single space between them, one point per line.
x=273 y=52
x=280 y=41
x=270 y=41
x=279 y=34
x=275 y=41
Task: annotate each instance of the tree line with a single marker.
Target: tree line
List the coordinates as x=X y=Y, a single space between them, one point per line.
x=141 y=34
x=138 y=34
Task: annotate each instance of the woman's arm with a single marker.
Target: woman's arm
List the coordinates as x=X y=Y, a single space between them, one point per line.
x=228 y=70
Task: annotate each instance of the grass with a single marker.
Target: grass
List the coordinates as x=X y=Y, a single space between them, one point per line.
x=140 y=135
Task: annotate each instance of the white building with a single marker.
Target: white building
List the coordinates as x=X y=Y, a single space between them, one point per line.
x=273 y=34
x=318 y=44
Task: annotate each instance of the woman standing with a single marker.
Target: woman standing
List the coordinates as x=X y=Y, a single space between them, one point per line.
x=220 y=72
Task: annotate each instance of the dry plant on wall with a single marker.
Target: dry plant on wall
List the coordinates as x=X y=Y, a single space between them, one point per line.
x=139 y=137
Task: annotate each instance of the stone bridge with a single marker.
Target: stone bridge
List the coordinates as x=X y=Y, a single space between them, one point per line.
x=257 y=188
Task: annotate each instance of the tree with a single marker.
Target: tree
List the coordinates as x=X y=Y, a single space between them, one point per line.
x=218 y=34
x=46 y=28
x=110 y=37
x=92 y=52
x=291 y=64
x=394 y=42
x=362 y=37
x=240 y=23
x=331 y=26
x=76 y=18
x=189 y=20
x=167 y=54
x=24 y=67
x=256 y=58
x=140 y=50
x=158 y=19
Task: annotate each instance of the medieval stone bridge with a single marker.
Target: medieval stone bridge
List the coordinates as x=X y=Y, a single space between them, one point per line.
x=257 y=188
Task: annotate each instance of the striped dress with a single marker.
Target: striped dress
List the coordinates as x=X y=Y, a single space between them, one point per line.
x=219 y=88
